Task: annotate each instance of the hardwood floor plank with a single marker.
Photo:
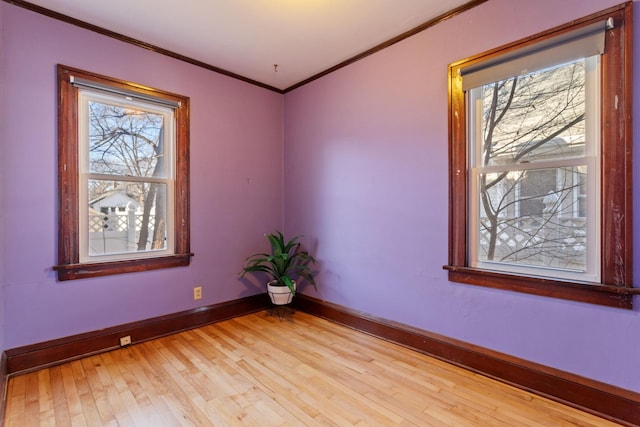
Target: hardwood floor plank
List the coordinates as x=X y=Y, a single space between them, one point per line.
x=122 y=397
x=89 y=407
x=71 y=396
x=147 y=390
x=32 y=402
x=60 y=403
x=16 y=402
x=96 y=391
x=169 y=386
x=260 y=370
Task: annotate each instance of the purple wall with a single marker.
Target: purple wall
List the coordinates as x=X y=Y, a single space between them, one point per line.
x=2 y=180
x=366 y=182
x=236 y=182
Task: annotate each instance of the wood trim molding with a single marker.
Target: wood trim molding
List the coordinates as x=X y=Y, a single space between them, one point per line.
x=604 y=400
x=36 y=356
x=105 y=32
x=100 y=30
x=447 y=15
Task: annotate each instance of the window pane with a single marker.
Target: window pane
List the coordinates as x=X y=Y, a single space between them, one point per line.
x=534 y=117
x=534 y=218
x=126 y=217
x=125 y=141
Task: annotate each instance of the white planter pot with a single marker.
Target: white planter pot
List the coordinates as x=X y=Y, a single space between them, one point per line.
x=280 y=295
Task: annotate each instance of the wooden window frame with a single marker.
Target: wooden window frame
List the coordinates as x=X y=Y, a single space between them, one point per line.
x=69 y=266
x=616 y=288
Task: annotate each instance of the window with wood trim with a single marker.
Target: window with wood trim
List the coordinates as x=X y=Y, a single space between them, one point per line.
x=540 y=163
x=123 y=176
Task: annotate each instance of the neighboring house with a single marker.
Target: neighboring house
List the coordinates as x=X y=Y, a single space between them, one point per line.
x=557 y=190
x=115 y=201
x=110 y=216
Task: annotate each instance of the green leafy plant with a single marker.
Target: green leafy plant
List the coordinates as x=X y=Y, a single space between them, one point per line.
x=286 y=262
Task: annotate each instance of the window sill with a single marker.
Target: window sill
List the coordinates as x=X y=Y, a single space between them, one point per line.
x=86 y=270
x=611 y=296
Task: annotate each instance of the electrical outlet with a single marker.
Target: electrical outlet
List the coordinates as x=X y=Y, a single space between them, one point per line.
x=197 y=293
x=125 y=340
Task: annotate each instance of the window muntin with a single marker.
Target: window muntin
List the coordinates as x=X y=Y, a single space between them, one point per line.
x=529 y=137
x=585 y=38
x=161 y=167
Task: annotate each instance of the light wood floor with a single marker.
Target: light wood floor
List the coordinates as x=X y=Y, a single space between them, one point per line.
x=259 y=371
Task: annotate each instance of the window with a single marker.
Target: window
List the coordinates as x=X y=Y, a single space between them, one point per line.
x=540 y=163
x=123 y=177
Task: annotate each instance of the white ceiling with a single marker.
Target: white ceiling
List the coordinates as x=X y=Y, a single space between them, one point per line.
x=247 y=37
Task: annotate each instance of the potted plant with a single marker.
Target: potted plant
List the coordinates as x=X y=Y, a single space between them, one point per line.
x=286 y=263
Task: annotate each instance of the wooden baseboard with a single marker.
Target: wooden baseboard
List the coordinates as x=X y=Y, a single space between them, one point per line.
x=604 y=400
x=41 y=355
